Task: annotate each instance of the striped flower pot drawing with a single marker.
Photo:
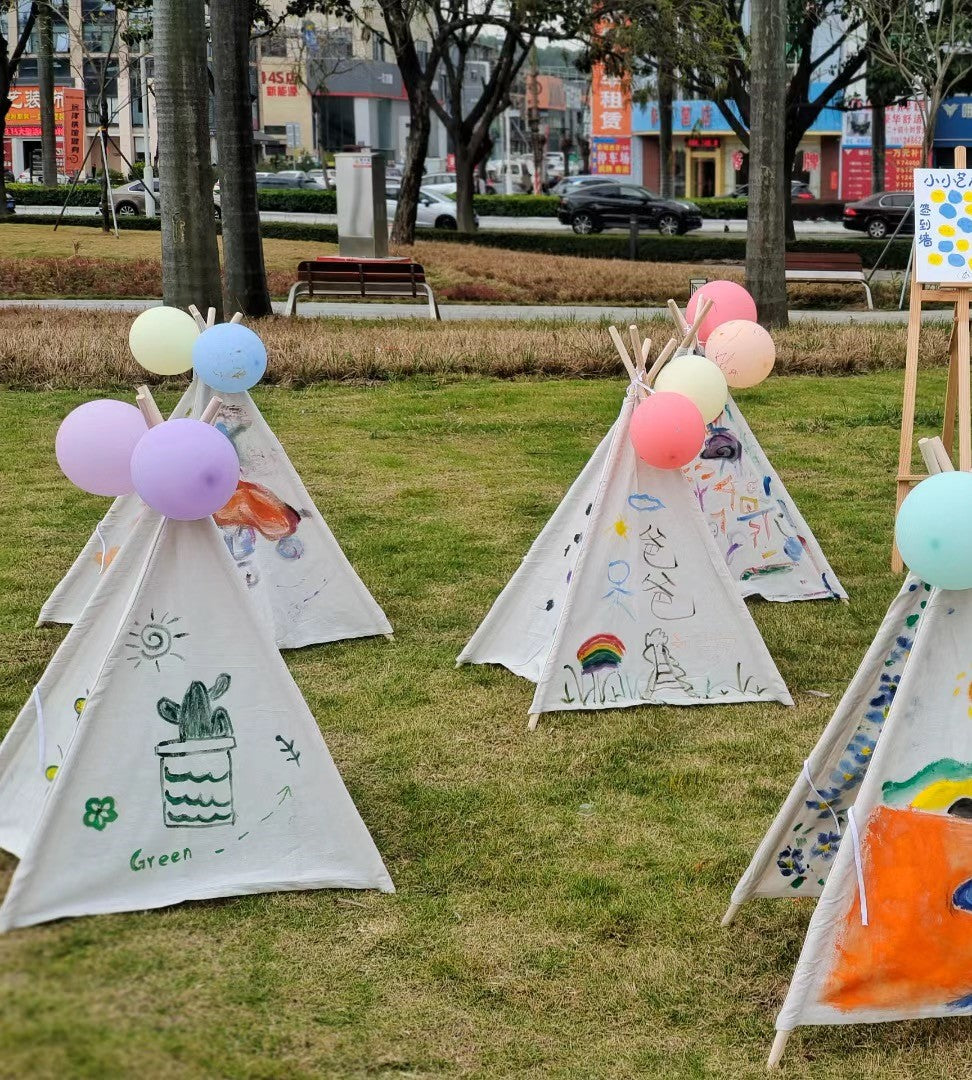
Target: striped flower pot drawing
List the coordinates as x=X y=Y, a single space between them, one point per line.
x=197 y=768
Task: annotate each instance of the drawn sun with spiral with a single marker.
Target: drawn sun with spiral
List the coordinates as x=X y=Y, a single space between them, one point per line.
x=154 y=640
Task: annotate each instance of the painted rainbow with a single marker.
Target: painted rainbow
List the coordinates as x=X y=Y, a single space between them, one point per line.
x=600 y=651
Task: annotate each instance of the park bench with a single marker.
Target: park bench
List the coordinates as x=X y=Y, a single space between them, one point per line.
x=839 y=266
x=332 y=275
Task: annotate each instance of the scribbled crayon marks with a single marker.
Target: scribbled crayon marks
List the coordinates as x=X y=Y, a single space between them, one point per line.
x=155 y=640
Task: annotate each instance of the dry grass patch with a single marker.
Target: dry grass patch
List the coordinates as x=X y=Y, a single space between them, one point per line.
x=36 y=262
x=67 y=349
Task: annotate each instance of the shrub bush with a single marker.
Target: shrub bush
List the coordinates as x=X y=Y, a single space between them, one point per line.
x=297 y=200
x=516 y=205
x=39 y=195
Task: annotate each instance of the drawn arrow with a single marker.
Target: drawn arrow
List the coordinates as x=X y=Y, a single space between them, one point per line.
x=285 y=793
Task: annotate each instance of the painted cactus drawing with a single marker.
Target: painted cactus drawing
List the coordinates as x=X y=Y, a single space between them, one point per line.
x=197 y=768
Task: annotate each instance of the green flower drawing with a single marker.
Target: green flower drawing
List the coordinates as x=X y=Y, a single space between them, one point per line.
x=100 y=812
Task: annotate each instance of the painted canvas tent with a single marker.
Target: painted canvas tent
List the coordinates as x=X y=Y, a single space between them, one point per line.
x=795 y=856
x=891 y=936
x=763 y=537
x=195 y=769
x=297 y=574
x=624 y=600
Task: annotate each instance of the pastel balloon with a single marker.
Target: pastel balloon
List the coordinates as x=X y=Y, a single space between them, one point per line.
x=667 y=430
x=934 y=530
x=229 y=357
x=161 y=340
x=729 y=301
x=743 y=350
x=94 y=446
x=699 y=380
x=185 y=469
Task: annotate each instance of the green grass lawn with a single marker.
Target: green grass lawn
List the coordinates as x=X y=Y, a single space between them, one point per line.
x=559 y=893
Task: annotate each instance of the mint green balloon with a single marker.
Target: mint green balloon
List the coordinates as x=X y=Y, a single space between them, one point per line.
x=934 y=530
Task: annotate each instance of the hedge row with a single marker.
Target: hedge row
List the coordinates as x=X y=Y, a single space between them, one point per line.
x=688 y=249
x=39 y=195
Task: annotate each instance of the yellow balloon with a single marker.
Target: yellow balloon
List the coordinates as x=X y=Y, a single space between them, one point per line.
x=698 y=379
x=161 y=340
x=743 y=350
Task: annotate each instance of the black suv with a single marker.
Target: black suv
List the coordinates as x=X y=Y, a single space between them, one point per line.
x=595 y=207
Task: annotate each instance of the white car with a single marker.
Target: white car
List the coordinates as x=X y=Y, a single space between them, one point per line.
x=444 y=183
x=435 y=211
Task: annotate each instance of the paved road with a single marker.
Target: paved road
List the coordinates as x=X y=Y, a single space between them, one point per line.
x=459 y=312
x=509 y=224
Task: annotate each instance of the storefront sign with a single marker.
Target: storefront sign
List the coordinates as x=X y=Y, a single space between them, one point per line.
x=899 y=165
x=904 y=125
x=811 y=161
x=611 y=156
x=23 y=122
x=703 y=142
x=610 y=104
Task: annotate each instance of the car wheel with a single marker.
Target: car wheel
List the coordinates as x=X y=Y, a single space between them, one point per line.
x=877 y=228
x=445 y=222
x=217 y=213
x=584 y=223
x=668 y=225
x=126 y=209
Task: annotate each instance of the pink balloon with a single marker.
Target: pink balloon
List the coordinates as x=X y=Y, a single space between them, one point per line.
x=667 y=430
x=729 y=301
x=94 y=446
x=744 y=351
x=185 y=469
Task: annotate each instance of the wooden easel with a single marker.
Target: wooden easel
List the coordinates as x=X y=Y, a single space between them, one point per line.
x=958 y=393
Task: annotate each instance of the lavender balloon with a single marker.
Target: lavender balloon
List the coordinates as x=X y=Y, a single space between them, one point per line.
x=185 y=469
x=94 y=446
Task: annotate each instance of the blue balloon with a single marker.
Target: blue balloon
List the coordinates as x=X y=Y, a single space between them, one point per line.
x=229 y=357
x=934 y=530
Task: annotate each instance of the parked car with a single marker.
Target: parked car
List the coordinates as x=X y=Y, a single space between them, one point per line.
x=798 y=190
x=129 y=199
x=318 y=175
x=27 y=177
x=592 y=208
x=292 y=179
x=444 y=183
x=11 y=204
x=880 y=214
x=568 y=184
x=435 y=210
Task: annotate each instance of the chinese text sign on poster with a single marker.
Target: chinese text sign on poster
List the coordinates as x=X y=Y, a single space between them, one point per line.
x=610 y=124
x=943 y=225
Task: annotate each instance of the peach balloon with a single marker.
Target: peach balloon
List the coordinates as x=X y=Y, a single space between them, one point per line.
x=667 y=430
x=729 y=301
x=744 y=351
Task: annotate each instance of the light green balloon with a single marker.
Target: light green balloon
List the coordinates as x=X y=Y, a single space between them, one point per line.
x=161 y=340
x=699 y=380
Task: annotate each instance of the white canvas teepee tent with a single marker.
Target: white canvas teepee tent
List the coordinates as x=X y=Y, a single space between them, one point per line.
x=296 y=571
x=796 y=854
x=765 y=540
x=763 y=537
x=623 y=599
x=891 y=936
x=196 y=769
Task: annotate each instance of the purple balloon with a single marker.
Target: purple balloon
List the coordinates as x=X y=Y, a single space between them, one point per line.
x=94 y=446
x=185 y=469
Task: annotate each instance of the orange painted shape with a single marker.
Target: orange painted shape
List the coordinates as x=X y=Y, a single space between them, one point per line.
x=104 y=561
x=257 y=507
x=917 y=948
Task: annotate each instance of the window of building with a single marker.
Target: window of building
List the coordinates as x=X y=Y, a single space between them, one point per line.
x=59 y=25
x=377 y=47
x=422 y=52
x=339 y=44
x=275 y=44
x=99 y=26
x=275 y=129
x=92 y=88
x=335 y=122
x=27 y=71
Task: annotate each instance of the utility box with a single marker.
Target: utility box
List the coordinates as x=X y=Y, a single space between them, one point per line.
x=362 y=217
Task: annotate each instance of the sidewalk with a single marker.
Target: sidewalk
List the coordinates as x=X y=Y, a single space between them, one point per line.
x=467 y=312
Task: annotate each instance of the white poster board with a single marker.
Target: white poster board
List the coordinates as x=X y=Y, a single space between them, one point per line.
x=943 y=226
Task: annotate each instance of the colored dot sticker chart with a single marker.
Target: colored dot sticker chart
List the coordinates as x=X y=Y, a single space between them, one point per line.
x=943 y=225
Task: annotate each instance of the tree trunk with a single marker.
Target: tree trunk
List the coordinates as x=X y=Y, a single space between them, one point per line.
x=4 y=109
x=106 y=208
x=878 y=146
x=45 y=83
x=416 y=147
x=244 y=270
x=190 y=257
x=666 y=153
x=765 y=234
x=465 y=186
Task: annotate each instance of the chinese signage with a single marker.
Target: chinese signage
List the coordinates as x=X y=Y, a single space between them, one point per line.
x=703 y=142
x=904 y=126
x=610 y=105
x=943 y=228
x=611 y=157
x=279 y=83
x=23 y=122
x=899 y=164
x=702 y=117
